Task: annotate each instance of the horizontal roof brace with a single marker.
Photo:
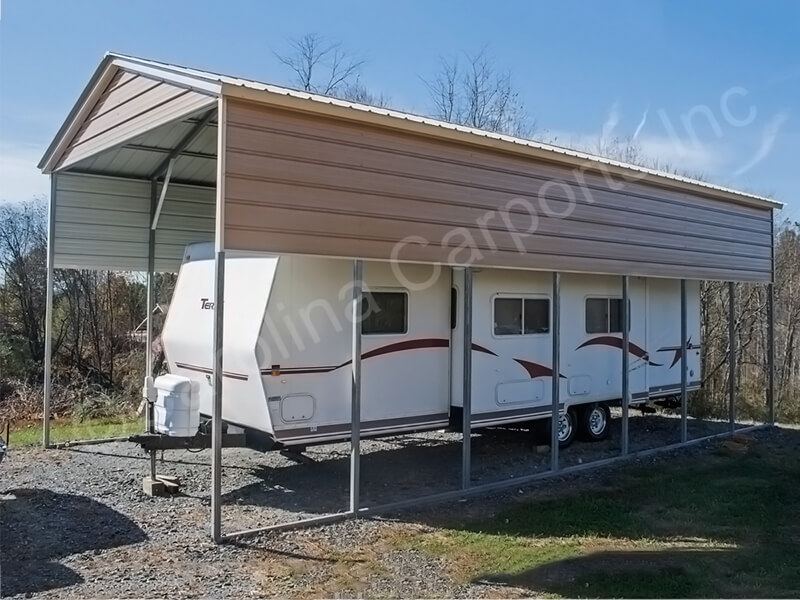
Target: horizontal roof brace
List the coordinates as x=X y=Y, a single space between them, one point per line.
x=211 y=123
x=156 y=149
x=113 y=175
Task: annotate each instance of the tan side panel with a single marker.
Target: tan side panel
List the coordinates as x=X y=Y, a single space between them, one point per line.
x=131 y=105
x=310 y=185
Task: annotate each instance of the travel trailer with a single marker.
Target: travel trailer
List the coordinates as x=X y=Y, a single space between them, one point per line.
x=288 y=345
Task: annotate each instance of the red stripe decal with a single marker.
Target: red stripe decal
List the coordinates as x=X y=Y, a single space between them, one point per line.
x=616 y=342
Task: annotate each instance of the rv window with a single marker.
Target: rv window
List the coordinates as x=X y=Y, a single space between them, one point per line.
x=537 y=315
x=515 y=316
x=507 y=316
x=604 y=315
x=384 y=313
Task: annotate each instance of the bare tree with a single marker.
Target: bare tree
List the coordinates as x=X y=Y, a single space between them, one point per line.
x=23 y=250
x=476 y=94
x=319 y=65
x=358 y=92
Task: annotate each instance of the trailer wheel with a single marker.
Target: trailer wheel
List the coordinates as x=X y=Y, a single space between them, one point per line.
x=568 y=427
x=594 y=421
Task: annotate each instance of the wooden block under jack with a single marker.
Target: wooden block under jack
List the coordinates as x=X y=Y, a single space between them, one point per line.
x=172 y=484
x=161 y=485
x=153 y=487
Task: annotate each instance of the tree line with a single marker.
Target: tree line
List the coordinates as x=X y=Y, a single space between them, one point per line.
x=98 y=334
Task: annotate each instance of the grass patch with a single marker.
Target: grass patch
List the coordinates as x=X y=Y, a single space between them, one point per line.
x=715 y=525
x=30 y=434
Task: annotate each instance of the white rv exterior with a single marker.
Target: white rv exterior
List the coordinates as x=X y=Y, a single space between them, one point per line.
x=288 y=339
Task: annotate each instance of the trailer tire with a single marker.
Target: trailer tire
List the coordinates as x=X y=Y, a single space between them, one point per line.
x=594 y=422
x=568 y=429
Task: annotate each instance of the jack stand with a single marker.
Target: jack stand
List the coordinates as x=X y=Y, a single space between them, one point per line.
x=159 y=485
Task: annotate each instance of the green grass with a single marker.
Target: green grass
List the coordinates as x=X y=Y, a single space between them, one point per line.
x=717 y=525
x=62 y=431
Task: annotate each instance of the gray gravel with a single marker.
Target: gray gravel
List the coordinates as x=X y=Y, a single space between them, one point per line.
x=76 y=524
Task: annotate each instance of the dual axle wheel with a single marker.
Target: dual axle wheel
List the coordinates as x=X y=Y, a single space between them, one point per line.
x=589 y=422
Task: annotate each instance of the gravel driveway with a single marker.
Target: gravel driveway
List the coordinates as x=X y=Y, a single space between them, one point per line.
x=76 y=524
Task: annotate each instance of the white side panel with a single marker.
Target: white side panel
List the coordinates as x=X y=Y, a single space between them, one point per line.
x=187 y=217
x=101 y=222
x=664 y=330
x=307 y=332
x=592 y=362
x=104 y=223
x=188 y=333
x=503 y=366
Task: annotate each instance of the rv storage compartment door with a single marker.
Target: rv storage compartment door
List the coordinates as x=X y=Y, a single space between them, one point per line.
x=177 y=408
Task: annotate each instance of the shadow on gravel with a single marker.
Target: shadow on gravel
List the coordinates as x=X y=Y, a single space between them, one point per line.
x=411 y=466
x=38 y=527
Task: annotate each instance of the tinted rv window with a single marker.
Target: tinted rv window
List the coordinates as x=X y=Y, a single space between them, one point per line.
x=515 y=316
x=604 y=315
x=384 y=312
x=507 y=316
x=537 y=315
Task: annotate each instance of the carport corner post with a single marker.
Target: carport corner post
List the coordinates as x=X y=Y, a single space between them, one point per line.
x=48 y=319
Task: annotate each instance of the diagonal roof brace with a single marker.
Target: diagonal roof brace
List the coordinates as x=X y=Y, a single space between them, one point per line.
x=163 y=195
x=168 y=164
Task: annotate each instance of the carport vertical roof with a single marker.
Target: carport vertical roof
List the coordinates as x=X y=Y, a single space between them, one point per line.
x=215 y=84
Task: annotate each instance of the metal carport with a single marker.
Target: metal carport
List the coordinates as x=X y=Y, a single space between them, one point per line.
x=154 y=156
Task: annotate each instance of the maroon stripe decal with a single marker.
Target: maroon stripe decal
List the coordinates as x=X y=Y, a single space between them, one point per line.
x=616 y=342
x=477 y=348
x=536 y=370
x=403 y=346
x=383 y=350
x=533 y=369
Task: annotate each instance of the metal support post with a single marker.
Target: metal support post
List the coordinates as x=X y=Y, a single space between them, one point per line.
x=625 y=323
x=466 y=405
x=556 y=360
x=48 y=319
x=151 y=259
x=216 y=406
x=771 y=354
x=732 y=355
x=355 y=398
x=683 y=361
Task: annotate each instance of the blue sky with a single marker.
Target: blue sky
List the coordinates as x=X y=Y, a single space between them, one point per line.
x=711 y=87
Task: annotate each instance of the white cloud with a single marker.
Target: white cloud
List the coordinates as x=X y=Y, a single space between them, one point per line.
x=611 y=123
x=661 y=150
x=686 y=155
x=768 y=137
x=19 y=178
